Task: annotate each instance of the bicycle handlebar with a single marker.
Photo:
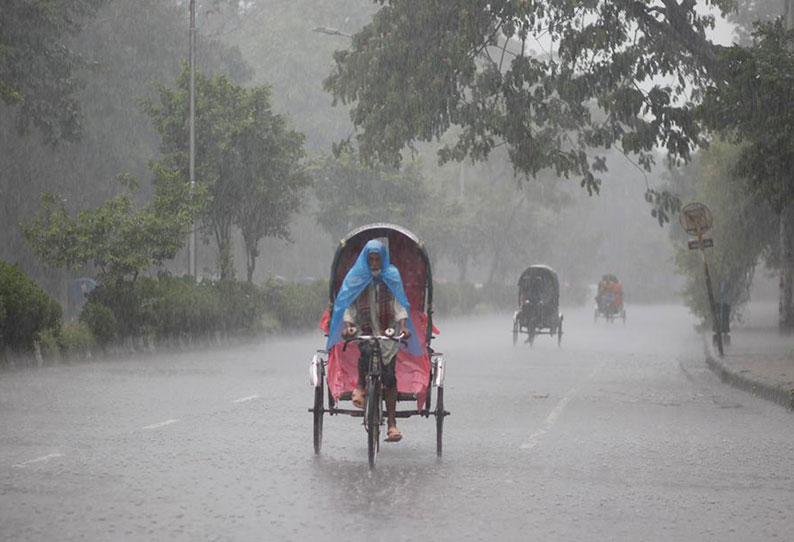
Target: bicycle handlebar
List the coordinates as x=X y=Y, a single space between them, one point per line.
x=387 y=337
x=362 y=338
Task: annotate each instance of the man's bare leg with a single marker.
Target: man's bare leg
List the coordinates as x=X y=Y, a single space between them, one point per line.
x=393 y=434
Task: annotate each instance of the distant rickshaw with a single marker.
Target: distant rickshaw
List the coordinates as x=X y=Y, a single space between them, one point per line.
x=609 y=299
x=538 y=304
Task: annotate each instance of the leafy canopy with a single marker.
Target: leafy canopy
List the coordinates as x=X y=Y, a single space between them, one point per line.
x=118 y=239
x=247 y=158
x=423 y=66
x=744 y=231
x=38 y=70
x=756 y=110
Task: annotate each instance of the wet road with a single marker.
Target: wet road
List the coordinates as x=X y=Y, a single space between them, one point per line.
x=622 y=434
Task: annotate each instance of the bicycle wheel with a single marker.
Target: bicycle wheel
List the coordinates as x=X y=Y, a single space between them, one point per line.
x=319 y=392
x=373 y=416
x=439 y=420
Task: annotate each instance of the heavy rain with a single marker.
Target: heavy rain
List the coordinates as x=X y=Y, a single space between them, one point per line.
x=396 y=270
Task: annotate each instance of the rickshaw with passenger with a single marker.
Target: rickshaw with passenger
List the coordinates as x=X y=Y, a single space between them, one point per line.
x=538 y=304
x=609 y=299
x=419 y=370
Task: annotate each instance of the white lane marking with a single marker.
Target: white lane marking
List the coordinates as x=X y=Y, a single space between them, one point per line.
x=160 y=424
x=555 y=414
x=38 y=460
x=244 y=399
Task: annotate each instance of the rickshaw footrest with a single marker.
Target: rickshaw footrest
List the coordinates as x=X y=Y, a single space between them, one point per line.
x=406 y=413
x=351 y=412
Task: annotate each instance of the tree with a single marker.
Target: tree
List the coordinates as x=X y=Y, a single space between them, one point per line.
x=422 y=67
x=118 y=51
x=244 y=152
x=350 y=195
x=748 y=12
x=25 y=309
x=265 y=160
x=119 y=240
x=757 y=109
x=38 y=71
x=744 y=231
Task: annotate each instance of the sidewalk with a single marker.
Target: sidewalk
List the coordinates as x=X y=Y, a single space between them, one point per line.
x=759 y=360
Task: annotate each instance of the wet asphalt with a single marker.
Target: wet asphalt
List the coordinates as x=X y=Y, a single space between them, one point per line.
x=621 y=434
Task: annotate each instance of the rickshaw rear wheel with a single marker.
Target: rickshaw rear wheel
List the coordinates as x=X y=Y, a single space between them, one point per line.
x=319 y=391
x=439 y=420
x=373 y=422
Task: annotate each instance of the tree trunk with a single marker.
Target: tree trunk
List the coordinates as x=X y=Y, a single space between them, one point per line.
x=785 y=306
x=223 y=236
x=250 y=260
x=786 y=302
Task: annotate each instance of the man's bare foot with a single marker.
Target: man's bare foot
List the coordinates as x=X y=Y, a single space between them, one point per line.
x=393 y=434
x=359 y=397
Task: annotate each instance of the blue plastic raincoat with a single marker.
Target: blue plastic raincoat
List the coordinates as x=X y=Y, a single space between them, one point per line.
x=357 y=279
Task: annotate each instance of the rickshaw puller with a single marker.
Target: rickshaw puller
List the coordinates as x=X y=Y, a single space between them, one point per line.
x=374 y=310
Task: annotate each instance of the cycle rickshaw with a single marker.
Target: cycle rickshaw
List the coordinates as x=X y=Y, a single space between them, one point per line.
x=334 y=373
x=538 y=304
x=609 y=300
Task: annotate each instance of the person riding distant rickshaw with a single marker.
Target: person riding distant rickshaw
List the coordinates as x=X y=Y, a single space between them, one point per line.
x=538 y=304
x=609 y=300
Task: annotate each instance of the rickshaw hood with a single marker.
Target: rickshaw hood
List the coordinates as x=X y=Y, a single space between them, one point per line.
x=357 y=279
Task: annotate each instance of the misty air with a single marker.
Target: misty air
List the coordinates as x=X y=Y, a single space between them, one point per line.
x=396 y=270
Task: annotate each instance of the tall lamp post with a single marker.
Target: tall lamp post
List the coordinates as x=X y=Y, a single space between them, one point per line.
x=192 y=242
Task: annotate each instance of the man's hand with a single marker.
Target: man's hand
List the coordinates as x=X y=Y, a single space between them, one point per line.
x=405 y=331
x=349 y=331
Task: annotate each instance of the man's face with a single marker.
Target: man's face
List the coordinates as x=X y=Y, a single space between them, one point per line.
x=373 y=258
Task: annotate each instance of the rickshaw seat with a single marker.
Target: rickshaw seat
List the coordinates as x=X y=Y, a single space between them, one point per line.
x=413 y=372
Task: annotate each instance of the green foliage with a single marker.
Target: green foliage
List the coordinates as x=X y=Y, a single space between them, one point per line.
x=276 y=39
x=177 y=305
x=350 y=195
x=243 y=306
x=101 y=322
x=296 y=306
x=247 y=159
x=757 y=109
x=743 y=230
x=77 y=340
x=171 y=307
x=116 y=238
x=38 y=71
x=421 y=67
x=125 y=47
x=50 y=344
x=749 y=12
x=29 y=311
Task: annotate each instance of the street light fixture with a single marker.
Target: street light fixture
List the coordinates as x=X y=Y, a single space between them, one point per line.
x=331 y=31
